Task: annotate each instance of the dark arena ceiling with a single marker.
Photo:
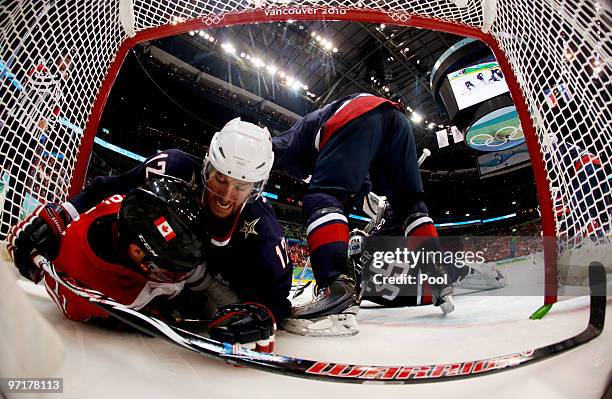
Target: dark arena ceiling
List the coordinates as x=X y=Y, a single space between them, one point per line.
x=176 y=92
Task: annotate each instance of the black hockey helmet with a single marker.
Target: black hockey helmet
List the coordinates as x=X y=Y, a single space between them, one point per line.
x=162 y=217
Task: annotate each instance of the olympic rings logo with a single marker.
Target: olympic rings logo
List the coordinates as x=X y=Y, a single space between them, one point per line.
x=498 y=139
x=212 y=19
x=398 y=17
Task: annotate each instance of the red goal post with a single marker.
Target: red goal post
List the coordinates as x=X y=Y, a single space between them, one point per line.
x=540 y=46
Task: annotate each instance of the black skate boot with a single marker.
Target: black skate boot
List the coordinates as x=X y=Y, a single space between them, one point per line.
x=332 y=312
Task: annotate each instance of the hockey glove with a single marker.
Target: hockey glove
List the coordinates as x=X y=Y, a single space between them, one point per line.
x=40 y=233
x=248 y=324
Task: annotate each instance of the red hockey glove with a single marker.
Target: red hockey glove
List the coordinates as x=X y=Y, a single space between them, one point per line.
x=40 y=233
x=249 y=324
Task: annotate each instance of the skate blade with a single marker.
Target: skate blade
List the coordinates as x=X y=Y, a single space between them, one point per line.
x=337 y=325
x=448 y=306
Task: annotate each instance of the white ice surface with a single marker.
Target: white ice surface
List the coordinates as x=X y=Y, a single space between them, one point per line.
x=107 y=364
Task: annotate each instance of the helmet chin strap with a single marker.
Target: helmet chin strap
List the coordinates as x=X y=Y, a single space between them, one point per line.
x=121 y=246
x=256 y=194
x=222 y=238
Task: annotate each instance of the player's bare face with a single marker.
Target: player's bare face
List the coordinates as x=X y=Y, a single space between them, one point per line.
x=225 y=195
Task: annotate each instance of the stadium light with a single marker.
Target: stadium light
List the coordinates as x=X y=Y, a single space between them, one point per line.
x=416 y=117
x=290 y=82
x=228 y=48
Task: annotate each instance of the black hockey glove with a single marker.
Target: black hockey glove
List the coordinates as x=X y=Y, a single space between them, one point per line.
x=249 y=324
x=40 y=233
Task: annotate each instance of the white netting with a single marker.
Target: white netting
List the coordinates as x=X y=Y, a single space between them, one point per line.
x=54 y=55
x=559 y=51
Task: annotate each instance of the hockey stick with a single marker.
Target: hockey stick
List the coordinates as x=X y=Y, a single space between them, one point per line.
x=339 y=372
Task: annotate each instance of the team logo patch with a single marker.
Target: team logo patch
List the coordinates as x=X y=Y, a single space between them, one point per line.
x=249 y=228
x=164 y=228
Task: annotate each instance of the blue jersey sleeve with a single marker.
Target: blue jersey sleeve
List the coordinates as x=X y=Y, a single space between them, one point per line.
x=294 y=152
x=170 y=162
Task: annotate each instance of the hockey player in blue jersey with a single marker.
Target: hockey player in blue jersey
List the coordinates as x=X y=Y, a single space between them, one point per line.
x=343 y=146
x=246 y=254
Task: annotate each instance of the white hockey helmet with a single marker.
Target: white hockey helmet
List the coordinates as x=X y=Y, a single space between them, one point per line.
x=241 y=150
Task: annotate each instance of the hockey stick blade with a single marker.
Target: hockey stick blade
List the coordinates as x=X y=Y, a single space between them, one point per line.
x=338 y=372
x=300 y=290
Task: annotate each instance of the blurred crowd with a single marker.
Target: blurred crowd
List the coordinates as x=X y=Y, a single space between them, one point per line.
x=294 y=231
x=509 y=242
x=46 y=179
x=298 y=254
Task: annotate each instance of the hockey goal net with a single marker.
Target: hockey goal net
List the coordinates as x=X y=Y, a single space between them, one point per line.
x=59 y=59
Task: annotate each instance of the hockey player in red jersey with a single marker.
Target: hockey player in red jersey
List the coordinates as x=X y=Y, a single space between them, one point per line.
x=143 y=251
x=133 y=249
